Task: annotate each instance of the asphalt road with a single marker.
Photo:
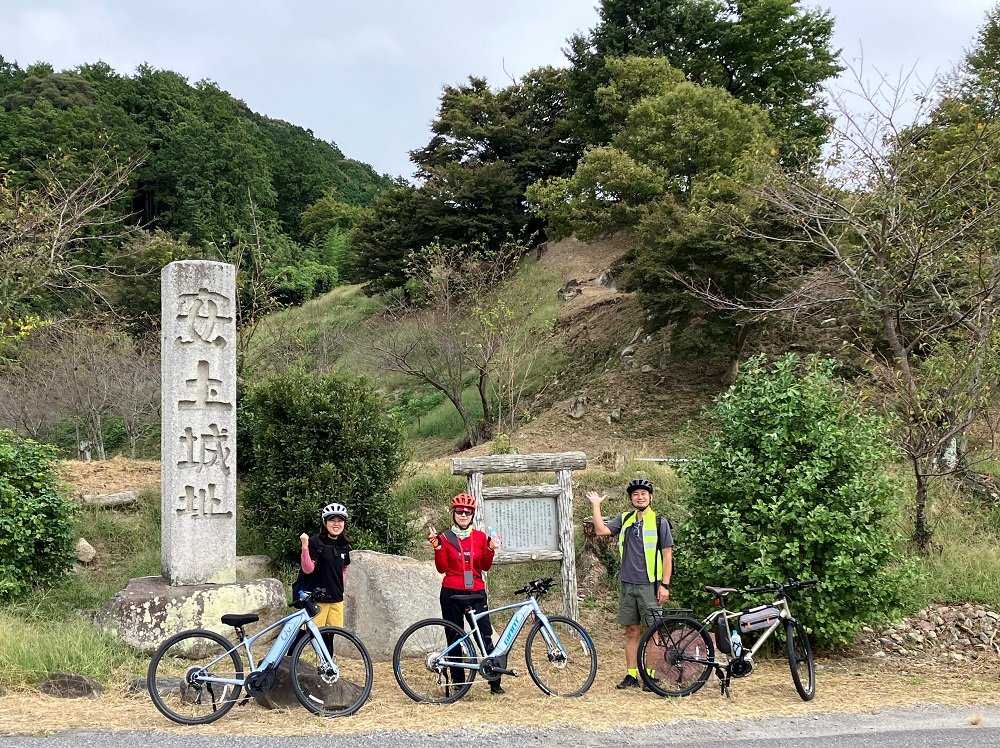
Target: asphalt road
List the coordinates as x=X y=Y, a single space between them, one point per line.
x=944 y=727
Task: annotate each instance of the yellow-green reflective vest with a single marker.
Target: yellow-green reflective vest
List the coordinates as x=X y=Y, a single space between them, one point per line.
x=650 y=540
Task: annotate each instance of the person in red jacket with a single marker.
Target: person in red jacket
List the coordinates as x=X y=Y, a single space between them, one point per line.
x=462 y=554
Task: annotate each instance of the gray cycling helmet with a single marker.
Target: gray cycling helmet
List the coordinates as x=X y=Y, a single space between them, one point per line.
x=334 y=510
x=636 y=484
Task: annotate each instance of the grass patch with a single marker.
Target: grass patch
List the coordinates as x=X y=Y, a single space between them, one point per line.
x=964 y=563
x=29 y=654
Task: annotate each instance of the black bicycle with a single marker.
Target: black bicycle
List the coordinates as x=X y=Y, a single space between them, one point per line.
x=676 y=653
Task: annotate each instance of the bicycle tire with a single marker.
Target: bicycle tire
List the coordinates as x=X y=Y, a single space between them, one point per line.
x=332 y=693
x=675 y=656
x=799 y=654
x=414 y=662
x=182 y=658
x=556 y=676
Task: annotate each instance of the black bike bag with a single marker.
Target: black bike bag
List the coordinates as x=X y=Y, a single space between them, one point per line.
x=722 y=640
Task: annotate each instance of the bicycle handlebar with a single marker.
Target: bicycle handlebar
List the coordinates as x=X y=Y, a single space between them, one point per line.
x=536 y=587
x=781 y=587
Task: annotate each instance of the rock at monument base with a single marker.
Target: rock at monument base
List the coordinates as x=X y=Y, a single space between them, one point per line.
x=150 y=610
x=385 y=595
x=343 y=693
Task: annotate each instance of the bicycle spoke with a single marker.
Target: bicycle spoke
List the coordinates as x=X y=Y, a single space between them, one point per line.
x=182 y=673
x=675 y=657
x=427 y=668
x=335 y=687
x=564 y=665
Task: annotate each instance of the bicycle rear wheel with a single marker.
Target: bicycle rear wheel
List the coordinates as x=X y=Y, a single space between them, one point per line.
x=675 y=656
x=565 y=666
x=417 y=658
x=334 y=689
x=800 y=660
x=180 y=676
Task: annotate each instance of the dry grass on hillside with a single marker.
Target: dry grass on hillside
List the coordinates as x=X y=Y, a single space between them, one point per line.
x=109 y=476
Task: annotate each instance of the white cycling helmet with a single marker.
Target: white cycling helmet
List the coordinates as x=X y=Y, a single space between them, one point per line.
x=334 y=510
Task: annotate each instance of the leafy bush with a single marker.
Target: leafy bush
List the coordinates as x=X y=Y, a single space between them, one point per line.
x=793 y=484
x=37 y=527
x=315 y=440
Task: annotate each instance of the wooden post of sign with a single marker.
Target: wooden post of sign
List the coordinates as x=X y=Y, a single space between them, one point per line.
x=535 y=542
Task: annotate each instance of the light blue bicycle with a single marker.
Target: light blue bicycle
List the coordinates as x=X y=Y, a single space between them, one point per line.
x=560 y=655
x=197 y=676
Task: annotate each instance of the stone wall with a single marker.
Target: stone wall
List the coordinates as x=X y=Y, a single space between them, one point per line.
x=951 y=633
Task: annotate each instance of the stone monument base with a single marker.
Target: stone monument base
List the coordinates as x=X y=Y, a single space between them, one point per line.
x=150 y=610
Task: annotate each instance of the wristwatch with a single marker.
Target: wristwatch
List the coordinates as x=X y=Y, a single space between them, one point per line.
x=665 y=585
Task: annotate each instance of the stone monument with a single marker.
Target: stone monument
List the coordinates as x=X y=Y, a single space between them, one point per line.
x=198 y=458
x=198 y=441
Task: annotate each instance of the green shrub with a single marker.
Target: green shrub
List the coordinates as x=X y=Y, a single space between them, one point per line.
x=315 y=440
x=37 y=527
x=793 y=483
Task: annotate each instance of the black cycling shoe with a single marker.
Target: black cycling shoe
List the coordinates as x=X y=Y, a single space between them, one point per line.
x=628 y=681
x=496 y=689
x=646 y=687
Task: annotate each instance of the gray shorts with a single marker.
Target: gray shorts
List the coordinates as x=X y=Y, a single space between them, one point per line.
x=634 y=602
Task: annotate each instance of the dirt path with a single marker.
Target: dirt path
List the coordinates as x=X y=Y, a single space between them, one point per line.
x=844 y=685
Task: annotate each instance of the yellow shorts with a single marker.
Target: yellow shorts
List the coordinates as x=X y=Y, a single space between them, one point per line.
x=330 y=614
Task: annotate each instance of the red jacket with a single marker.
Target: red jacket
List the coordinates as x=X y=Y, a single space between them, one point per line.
x=476 y=556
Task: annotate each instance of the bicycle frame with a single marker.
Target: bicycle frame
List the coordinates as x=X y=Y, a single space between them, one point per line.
x=784 y=614
x=514 y=626
x=290 y=626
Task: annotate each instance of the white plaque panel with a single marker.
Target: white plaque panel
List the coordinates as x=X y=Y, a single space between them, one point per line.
x=524 y=524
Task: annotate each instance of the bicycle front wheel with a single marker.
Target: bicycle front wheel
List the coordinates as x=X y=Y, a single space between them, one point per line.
x=183 y=677
x=427 y=668
x=800 y=660
x=336 y=688
x=675 y=657
x=564 y=664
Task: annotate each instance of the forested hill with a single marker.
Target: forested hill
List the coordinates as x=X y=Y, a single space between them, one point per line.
x=187 y=160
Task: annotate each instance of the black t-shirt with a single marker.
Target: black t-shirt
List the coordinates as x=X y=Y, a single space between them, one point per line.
x=331 y=556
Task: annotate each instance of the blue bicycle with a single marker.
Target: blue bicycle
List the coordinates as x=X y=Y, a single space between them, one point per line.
x=436 y=661
x=196 y=676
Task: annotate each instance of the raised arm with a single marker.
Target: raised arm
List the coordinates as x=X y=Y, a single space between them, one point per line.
x=600 y=528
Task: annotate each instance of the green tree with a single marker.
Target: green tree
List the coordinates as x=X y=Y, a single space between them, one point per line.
x=906 y=215
x=975 y=81
x=771 y=53
x=682 y=165
x=37 y=526
x=793 y=483
x=314 y=440
x=487 y=146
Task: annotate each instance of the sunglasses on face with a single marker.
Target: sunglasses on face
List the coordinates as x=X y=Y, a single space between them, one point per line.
x=464 y=512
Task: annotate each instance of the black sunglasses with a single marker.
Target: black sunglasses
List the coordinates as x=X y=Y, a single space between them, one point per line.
x=465 y=511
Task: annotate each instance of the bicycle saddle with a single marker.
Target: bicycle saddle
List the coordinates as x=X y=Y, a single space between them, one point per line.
x=469 y=600
x=721 y=590
x=239 y=619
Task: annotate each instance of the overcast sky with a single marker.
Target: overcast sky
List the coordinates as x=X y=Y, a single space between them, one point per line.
x=367 y=75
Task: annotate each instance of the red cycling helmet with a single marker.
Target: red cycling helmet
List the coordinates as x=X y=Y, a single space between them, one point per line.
x=465 y=500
